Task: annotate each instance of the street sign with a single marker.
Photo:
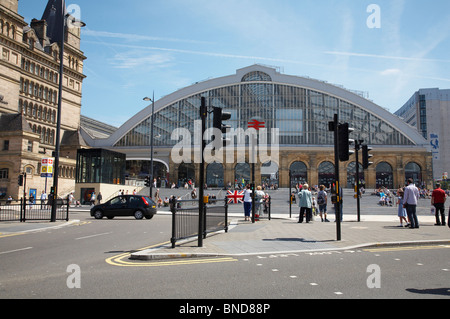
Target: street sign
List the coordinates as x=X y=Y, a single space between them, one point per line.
x=47 y=167
x=257 y=125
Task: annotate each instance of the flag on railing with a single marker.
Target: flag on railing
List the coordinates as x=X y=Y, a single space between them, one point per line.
x=236 y=197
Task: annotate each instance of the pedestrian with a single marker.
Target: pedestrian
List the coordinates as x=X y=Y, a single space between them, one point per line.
x=70 y=198
x=411 y=196
x=247 y=202
x=305 y=203
x=99 y=198
x=43 y=199
x=438 y=198
x=401 y=210
x=259 y=198
x=322 y=200
x=93 y=197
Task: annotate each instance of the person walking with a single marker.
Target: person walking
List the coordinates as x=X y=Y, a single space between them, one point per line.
x=305 y=203
x=322 y=200
x=438 y=198
x=411 y=196
x=247 y=202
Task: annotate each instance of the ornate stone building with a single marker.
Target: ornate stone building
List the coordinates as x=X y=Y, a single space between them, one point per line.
x=29 y=80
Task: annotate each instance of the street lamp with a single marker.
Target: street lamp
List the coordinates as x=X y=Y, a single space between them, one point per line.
x=151 y=140
x=74 y=23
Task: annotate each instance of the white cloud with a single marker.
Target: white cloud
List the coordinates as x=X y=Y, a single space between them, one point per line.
x=135 y=37
x=388 y=72
x=139 y=59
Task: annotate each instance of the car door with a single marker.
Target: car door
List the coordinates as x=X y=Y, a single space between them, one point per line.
x=134 y=203
x=123 y=209
x=117 y=206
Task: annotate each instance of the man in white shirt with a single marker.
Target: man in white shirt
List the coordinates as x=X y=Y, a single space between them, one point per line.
x=410 y=198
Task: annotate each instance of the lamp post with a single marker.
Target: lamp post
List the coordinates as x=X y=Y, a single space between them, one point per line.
x=74 y=23
x=151 y=141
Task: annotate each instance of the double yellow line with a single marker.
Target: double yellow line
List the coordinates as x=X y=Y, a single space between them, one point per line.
x=381 y=249
x=122 y=260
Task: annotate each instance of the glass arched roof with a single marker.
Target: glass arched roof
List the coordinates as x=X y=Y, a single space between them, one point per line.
x=300 y=108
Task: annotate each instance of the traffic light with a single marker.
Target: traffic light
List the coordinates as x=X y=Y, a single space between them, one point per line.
x=219 y=117
x=366 y=156
x=344 y=142
x=20 y=180
x=147 y=181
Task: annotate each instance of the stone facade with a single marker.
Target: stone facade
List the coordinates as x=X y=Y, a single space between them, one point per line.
x=29 y=80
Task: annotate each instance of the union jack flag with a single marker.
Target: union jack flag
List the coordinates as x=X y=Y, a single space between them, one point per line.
x=236 y=197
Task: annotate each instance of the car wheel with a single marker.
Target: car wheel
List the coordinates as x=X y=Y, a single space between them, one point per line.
x=98 y=214
x=138 y=214
x=149 y=216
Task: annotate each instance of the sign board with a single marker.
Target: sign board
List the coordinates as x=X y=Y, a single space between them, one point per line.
x=47 y=167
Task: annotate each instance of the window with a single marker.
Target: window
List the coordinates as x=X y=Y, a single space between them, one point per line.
x=30 y=146
x=6 y=145
x=4 y=172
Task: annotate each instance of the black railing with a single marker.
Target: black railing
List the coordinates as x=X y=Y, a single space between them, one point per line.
x=185 y=215
x=19 y=210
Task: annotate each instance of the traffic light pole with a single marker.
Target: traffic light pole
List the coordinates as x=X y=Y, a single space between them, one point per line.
x=357 y=186
x=334 y=126
x=201 y=204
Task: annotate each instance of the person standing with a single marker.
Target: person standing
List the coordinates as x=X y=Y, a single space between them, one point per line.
x=259 y=198
x=247 y=202
x=305 y=203
x=43 y=199
x=401 y=210
x=322 y=202
x=438 y=199
x=411 y=196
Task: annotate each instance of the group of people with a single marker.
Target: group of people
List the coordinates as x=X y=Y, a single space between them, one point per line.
x=307 y=203
x=407 y=205
x=261 y=199
x=385 y=197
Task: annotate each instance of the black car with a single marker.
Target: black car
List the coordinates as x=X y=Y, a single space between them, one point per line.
x=125 y=205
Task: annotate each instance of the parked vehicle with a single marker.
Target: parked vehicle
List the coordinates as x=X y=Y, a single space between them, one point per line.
x=125 y=205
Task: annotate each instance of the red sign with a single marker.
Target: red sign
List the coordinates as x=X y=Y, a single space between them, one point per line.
x=257 y=125
x=236 y=197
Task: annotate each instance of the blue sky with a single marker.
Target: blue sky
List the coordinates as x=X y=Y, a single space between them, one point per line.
x=136 y=47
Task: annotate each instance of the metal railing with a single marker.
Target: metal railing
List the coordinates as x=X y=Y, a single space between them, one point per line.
x=20 y=210
x=185 y=219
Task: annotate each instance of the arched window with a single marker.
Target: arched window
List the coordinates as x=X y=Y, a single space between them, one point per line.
x=215 y=175
x=326 y=174
x=186 y=172
x=256 y=76
x=414 y=171
x=299 y=173
x=242 y=174
x=351 y=175
x=269 y=174
x=385 y=176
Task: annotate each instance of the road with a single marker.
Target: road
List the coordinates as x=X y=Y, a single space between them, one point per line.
x=80 y=261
